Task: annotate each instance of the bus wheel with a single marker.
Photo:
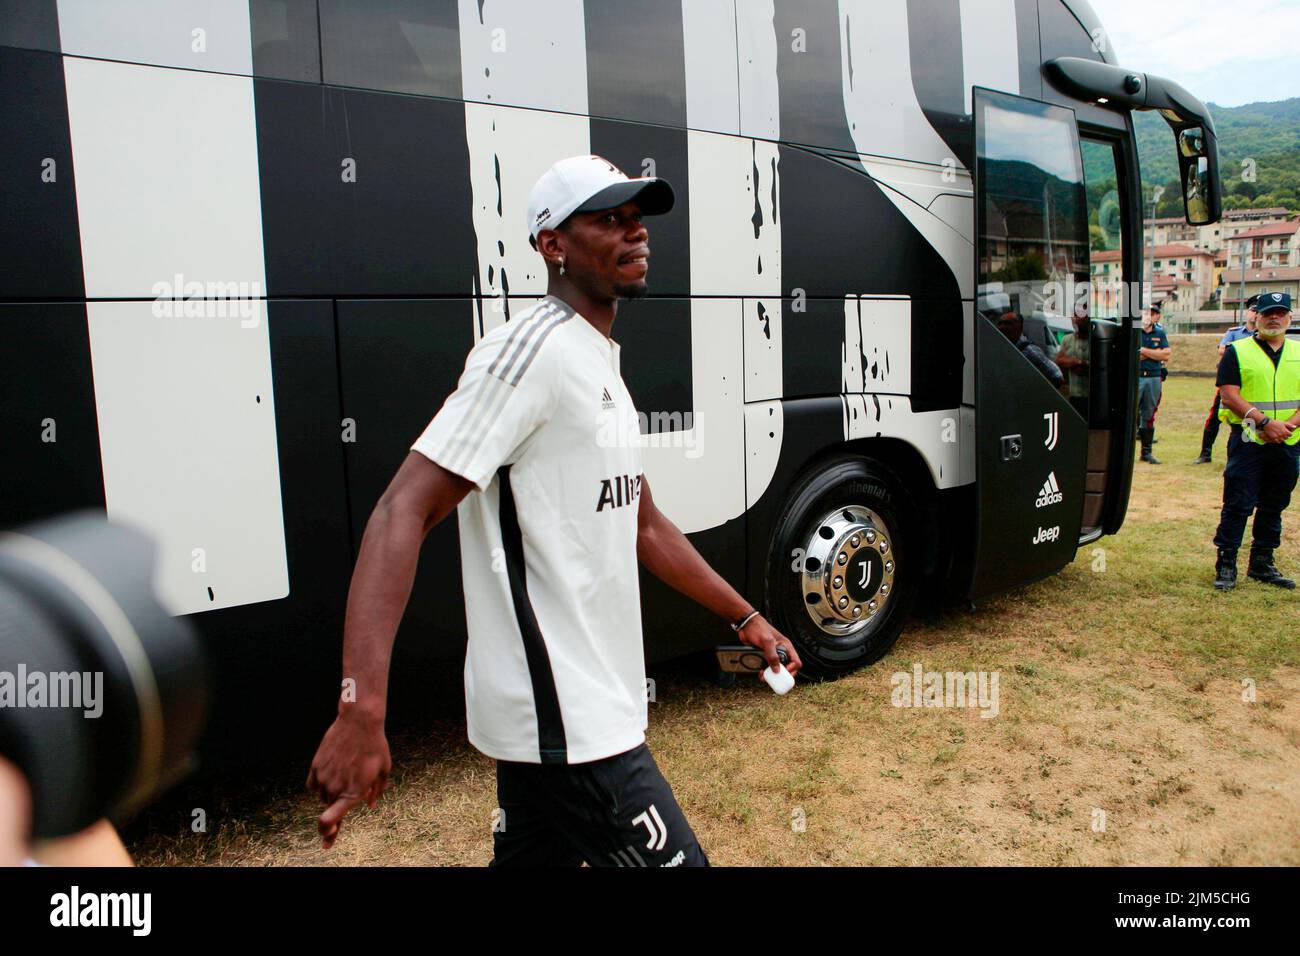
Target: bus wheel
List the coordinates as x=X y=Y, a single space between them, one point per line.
x=839 y=583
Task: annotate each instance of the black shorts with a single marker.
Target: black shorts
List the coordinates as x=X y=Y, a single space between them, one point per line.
x=618 y=811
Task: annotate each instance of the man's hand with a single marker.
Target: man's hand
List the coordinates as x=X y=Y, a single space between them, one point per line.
x=352 y=762
x=351 y=765
x=1275 y=432
x=762 y=635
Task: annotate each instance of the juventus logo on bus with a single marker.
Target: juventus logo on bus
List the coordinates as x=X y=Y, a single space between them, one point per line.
x=1053 y=429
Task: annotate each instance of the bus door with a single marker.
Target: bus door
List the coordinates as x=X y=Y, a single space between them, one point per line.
x=1032 y=258
x=1104 y=393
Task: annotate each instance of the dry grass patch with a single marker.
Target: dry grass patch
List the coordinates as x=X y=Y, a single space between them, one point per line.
x=1119 y=691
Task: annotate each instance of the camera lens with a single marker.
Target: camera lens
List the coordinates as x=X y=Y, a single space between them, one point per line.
x=102 y=692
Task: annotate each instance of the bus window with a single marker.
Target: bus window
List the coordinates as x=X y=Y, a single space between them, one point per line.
x=1033 y=242
x=1102 y=302
x=1105 y=235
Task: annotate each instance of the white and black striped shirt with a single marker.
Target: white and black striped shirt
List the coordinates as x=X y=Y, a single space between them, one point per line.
x=542 y=423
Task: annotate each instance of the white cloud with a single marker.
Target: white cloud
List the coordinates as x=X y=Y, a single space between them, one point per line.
x=1211 y=48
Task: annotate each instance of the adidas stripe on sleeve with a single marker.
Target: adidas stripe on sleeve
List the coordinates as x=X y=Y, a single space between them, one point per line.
x=508 y=389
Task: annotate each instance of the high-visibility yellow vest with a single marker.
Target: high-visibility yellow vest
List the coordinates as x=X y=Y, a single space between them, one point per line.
x=1274 y=390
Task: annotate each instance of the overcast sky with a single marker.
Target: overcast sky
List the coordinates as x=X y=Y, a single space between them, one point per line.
x=1241 y=51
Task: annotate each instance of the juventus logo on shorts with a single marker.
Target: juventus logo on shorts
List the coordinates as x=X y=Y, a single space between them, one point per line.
x=651 y=820
x=1053 y=429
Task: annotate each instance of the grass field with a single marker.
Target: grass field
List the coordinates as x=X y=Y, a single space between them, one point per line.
x=1194 y=353
x=1121 y=686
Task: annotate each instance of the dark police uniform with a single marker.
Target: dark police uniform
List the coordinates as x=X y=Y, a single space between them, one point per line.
x=1210 y=433
x=1260 y=476
x=1149 y=388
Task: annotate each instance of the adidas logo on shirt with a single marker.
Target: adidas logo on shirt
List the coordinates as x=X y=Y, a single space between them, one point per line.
x=606 y=400
x=1049 y=494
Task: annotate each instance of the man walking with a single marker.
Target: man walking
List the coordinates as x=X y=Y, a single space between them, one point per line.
x=1154 y=352
x=554 y=515
x=1259 y=379
x=1211 y=431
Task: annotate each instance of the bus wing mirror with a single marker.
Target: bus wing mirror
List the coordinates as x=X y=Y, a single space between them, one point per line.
x=1117 y=88
x=1198 y=166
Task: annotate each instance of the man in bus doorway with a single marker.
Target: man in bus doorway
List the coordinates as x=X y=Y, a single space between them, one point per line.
x=539 y=450
x=1210 y=434
x=1155 y=352
x=1259 y=381
x=1073 y=359
x=1012 y=325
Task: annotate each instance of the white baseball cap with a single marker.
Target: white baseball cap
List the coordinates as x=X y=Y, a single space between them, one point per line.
x=588 y=184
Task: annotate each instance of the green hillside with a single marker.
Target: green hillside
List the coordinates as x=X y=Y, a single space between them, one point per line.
x=1268 y=133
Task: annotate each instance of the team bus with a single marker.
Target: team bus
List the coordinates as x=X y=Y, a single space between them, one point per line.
x=248 y=245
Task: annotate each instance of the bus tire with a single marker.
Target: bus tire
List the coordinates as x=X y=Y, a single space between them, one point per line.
x=843 y=567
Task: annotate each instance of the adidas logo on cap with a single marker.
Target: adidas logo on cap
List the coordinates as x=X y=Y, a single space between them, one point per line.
x=1050 y=493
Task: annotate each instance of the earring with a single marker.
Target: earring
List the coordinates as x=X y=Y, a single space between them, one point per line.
x=561 y=267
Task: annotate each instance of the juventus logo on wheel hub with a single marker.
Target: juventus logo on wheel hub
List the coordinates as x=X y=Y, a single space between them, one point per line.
x=847 y=570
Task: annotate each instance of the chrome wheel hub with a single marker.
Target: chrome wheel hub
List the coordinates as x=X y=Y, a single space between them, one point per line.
x=847 y=573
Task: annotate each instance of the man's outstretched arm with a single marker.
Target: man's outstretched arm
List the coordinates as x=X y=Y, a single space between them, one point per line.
x=352 y=762
x=669 y=556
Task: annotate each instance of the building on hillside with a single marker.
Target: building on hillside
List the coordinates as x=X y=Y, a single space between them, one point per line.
x=1278 y=279
x=1168 y=230
x=1210 y=257
x=1195 y=266
x=1164 y=231
x=1106 y=278
x=1236 y=221
x=1265 y=246
x=1220 y=270
x=1178 y=298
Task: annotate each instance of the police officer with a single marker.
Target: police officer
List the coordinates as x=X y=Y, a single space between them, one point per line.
x=1211 y=431
x=1259 y=381
x=1155 y=352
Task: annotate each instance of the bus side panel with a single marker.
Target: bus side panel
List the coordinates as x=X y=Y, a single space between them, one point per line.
x=276 y=664
x=31 y=24
x=49 y=428
x=39 y=229
x=841 y=236
x=809 y=428
x=363 y=193
x=673 y=624
x=398 y=360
